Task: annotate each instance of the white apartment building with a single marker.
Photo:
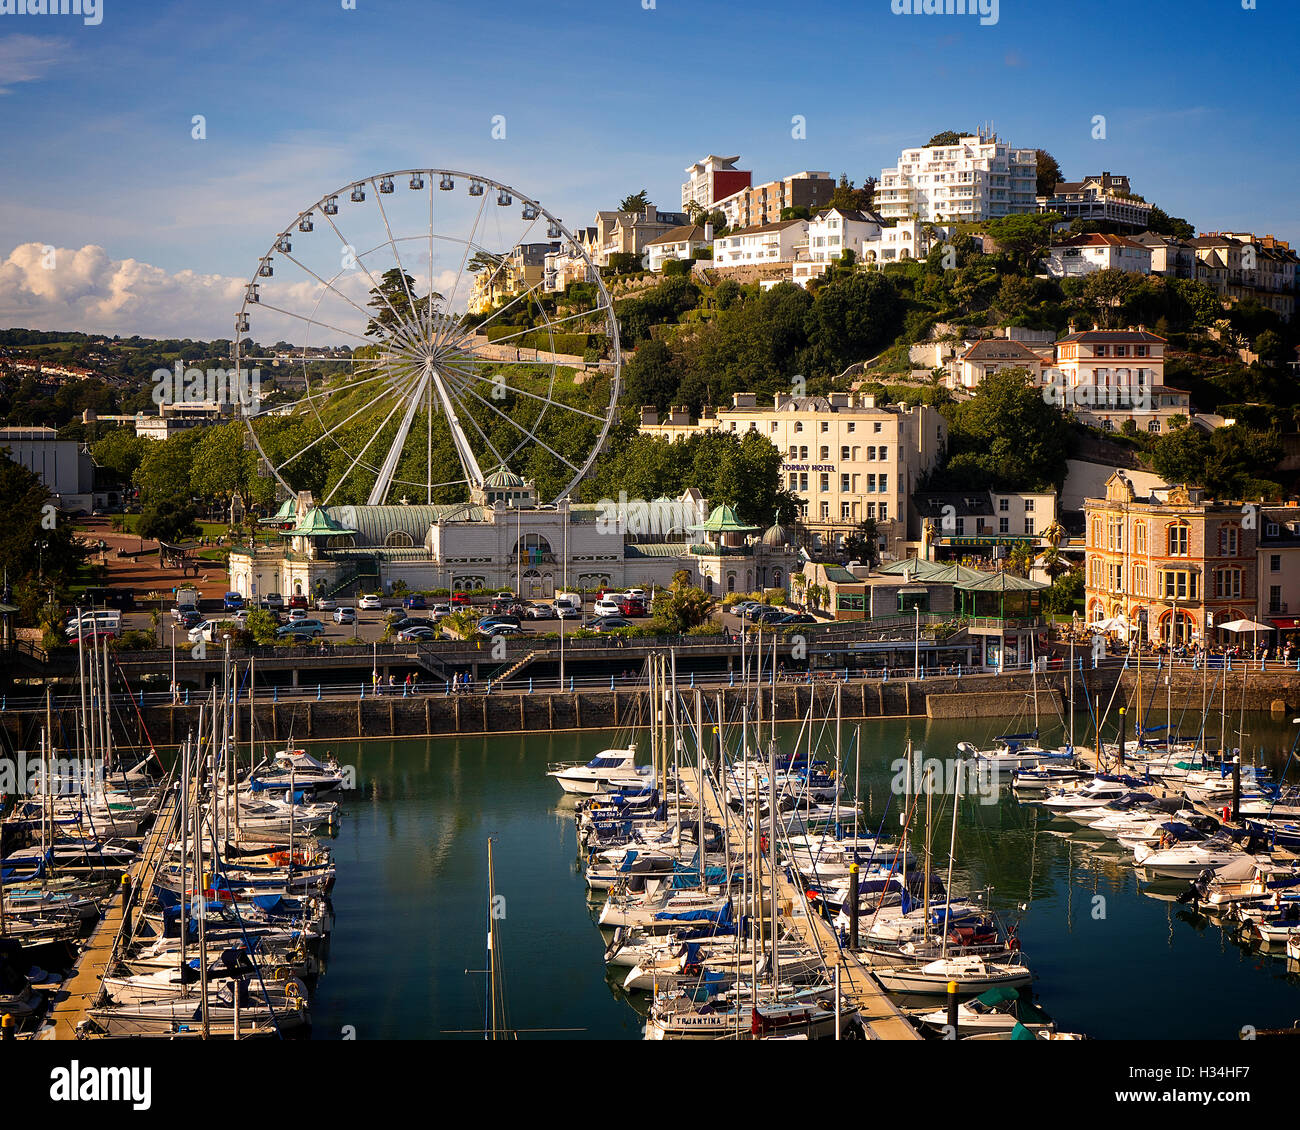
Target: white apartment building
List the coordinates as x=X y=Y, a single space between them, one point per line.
x=765 y=244
x=679 y=243
x=845 y=458
x=979 y=178
x=1084 y=254
x=829 y=235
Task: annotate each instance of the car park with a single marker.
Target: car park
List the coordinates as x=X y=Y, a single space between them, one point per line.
x=298 y=601
x=487 y=621
x=500 y=628
x=769 y=615
x=345 y=615
x=415 y=601
x=190 y=619
x=401 y=623
x=606 y=606
x=742 y=608
x=461 y=600
x=607 y=623
x=760 y=610
x=326 y=604
x=370 y=602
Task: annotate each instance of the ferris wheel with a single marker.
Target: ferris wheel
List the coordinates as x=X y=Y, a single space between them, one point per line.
x=417 y=316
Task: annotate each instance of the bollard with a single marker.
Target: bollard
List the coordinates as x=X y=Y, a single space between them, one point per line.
x=187 y=696
x=141 y=698
x=952 y=1008
x=1236 y=788
x=959 y=670
x=846 y=674
x=853 y=906
x=530 y=684
x=318 y=692
x=446 y=684
x=731 y=682
x=275 y=695
x=489 y=686
x=4 y=701
x=570 y=684
x=692 y=678
x=611 y=679
x=7 y=1027
x=363 y=690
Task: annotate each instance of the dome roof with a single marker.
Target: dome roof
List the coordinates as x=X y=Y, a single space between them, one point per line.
x=777 y=536
x=502 y=479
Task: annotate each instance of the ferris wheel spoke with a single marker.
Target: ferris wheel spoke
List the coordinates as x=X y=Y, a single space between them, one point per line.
x=440 y=333
x=557 y=322
x=538 y=396
x=397 y=258
x=519 y=427
x=327 y=284
x=329 y=432
x=477 y=427
x=375 y=288
x=280 y=409
x=482 y=326
x=361 y=454
x=314 y=322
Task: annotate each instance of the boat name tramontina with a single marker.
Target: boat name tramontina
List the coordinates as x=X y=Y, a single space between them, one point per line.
x=75 y=1083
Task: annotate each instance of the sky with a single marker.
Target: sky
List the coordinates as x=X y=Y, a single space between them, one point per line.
x=155 y=231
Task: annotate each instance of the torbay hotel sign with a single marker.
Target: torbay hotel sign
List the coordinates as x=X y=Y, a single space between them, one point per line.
x=808 y=466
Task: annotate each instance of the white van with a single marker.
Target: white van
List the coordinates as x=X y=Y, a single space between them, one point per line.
x=105 y=621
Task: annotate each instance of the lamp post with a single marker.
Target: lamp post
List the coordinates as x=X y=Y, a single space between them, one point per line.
x=917 y=657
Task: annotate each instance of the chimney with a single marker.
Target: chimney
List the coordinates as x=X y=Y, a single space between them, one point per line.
x=708 y=232
x=649 y=414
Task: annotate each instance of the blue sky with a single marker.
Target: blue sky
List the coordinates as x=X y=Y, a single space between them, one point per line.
x=601 y=98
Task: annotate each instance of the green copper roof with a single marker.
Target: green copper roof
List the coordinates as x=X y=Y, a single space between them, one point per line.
x=724 y=520
x=284 y=514
x=936 y=572
x=1001 y=582
x=317 y=524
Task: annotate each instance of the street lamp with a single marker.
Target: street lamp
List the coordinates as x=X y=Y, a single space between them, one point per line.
x=917 y=658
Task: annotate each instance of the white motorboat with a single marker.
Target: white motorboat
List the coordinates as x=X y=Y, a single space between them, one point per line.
x=1095 y=794
x=611 y=768
x=973 y=974
x=1185 y=860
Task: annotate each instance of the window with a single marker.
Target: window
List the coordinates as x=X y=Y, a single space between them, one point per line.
x=871 y=453
x=803 y=452
x=884 y=511
x=857 y=454
x=1003 y=505
x=846 y=511
x=1139 y=537
x=844 y=484
x=882 y=452
x=1178 y=540
x=1029 y=505
x=849 y=428
x=961 y=527
x=877 y=427
x=1229 y=540
x=803 y=481
x=826 y=453
x=794 y=452
x=1275 y=563
x=798 y=426
x=826 y=427
x=1114 y=577
x=1275 y=599
x=844 y=454
x=826 y=509
x=1227 y=584
x=794 y=482
x=1004 y=525
x=1177 y=584
x=1140 y=580
x=774 y=426
x=1029 y=526
x=871 y=484
x=884 y=483
x=825 y=483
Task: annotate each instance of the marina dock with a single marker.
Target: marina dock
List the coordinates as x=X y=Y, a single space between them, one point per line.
x=78 y=994
x=882 y=1019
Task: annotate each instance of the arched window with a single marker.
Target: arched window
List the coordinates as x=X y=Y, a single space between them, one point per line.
x=399 y=539
x=1177 y=539
x=533 y=548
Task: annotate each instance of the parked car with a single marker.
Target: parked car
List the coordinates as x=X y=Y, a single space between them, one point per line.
x=500 y=628
x=503 y=595
x=631 y=606
x=742 y=608
x=415 y=600
x=326 y=604
x=301 y=629
x=417 y=632
x=403 y=622
x=240 y=617
x=769 y=615
x=567 y=609
x=794 y=618
x=345 y=615
x=297 y=615
x=638 y=593
x=760 y=610
x=232 y=601
x=488 y=622
x=273 y=602
x=190 y=619
x=460 y=600
x=298 y=601
x=606 y=606
x=438 y=611
x=540 y=610
x=370 y=602
x=91 y=635
x=607 y=623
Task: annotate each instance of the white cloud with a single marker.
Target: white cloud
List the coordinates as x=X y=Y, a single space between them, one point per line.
x=28 y=58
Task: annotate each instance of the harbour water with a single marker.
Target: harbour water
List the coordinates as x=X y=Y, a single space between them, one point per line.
x=1115 y=958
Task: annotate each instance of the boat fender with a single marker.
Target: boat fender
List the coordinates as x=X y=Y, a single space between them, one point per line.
x=291 y=990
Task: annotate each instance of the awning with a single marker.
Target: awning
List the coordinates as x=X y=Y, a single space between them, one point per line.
x=1284 y=622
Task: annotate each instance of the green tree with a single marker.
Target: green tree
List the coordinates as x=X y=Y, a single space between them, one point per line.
x=636 y=202
x=1024 y=237
x=262 y=626
x=852 y=319
x=1049 y=172
x=222 y=468
x=37 y=545
x=1160 y=222
x=164 y=472
x=682 y=606
x=651 y=377
x=947 y=137
x=120 y=451
x=168 y=519
x=863 y=544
